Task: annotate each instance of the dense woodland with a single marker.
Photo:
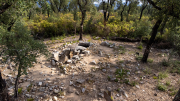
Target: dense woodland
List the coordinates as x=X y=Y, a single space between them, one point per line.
x=24 y=24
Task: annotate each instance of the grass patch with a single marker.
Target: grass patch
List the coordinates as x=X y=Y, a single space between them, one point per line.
x=20 y=90
x=147 y=70
x=172 y=89
x=133 y=83
x=126 y=81
x=140 y=47
x=30 y=99
x=139 y=57
x=173 y=93
x=121 y=73
x=162 y=75
x=150 y=60
x=168 y=83
x=162 y=87
x=122 y=50
x=155 y=77
x=165 y=63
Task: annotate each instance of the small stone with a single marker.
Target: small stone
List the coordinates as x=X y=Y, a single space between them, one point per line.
x=40 y=83
x=77 y=92
x=104 y=70
x=93 y=62
x=28 y=95
x=122 y=65
x=56 y=91
x=137 y=86
x=155 y=94
x=101 y=95
x=83 y=90
x=55 y=98
x=80 y=81
x=70 y=83
x=117 y=95
x=53 y=63
x=69 y=61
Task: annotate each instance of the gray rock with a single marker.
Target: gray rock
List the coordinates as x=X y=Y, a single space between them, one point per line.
x=83 y=90
x=70 y=90
x=56 y=91
x=69 y=61
x=55 y=98
x=55 y=55
x=76 y=57
x=93 y=62
x=105 y=44
x=40 y=83
x=70 y=83
x=104 y=70
x=28 y=95
x=80 y=81
x=63 y=58
x=101 y=95
x=53 y=63
x=85 y=44
x=77 y=92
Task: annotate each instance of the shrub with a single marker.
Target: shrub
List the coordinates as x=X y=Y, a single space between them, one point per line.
x=163 y=75
x=161 y=87
x=165 y=63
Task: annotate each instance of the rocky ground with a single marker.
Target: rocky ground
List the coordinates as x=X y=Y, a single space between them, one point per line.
x=77 y=73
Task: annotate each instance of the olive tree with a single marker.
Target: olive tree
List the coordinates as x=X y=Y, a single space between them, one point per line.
x=162 y=9
x=19 y=46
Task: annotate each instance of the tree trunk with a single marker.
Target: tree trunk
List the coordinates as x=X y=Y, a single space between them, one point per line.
x=104 y=18
x=16 y=82
x=75 y=28
x=82 y=22
x=48 y=13
x=29 y=15
x=142 y=12
x=163 y=25
x=123 y=11
x=3 y=90
x=148 y=47
x=128 y=12
x=177 y=97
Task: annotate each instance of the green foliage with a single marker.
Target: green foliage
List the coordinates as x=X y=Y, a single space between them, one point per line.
x=121 y=73
x=168 y=83
x=165 y=63
x=133 y=83
x=173 y=93
x=150 y=60
x=140 y=46
x=155 y=77
x=162 y=75
x=139 y=57
x=30 y=99
x=20 y=90
x=161 y=87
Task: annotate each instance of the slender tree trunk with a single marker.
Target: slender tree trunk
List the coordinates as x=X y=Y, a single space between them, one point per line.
x=16 y=82
x=123 y=11
x=128 y=12
x=163 y=25
x=3 y=90
x=48 y=13
x=177 y=97
x=105 y=18
x=142 y=11
x=29 y=15
x=82 y=22
x=75 y=28
x=148 y=47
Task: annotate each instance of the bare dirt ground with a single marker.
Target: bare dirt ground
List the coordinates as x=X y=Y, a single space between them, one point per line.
x=138 y=84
